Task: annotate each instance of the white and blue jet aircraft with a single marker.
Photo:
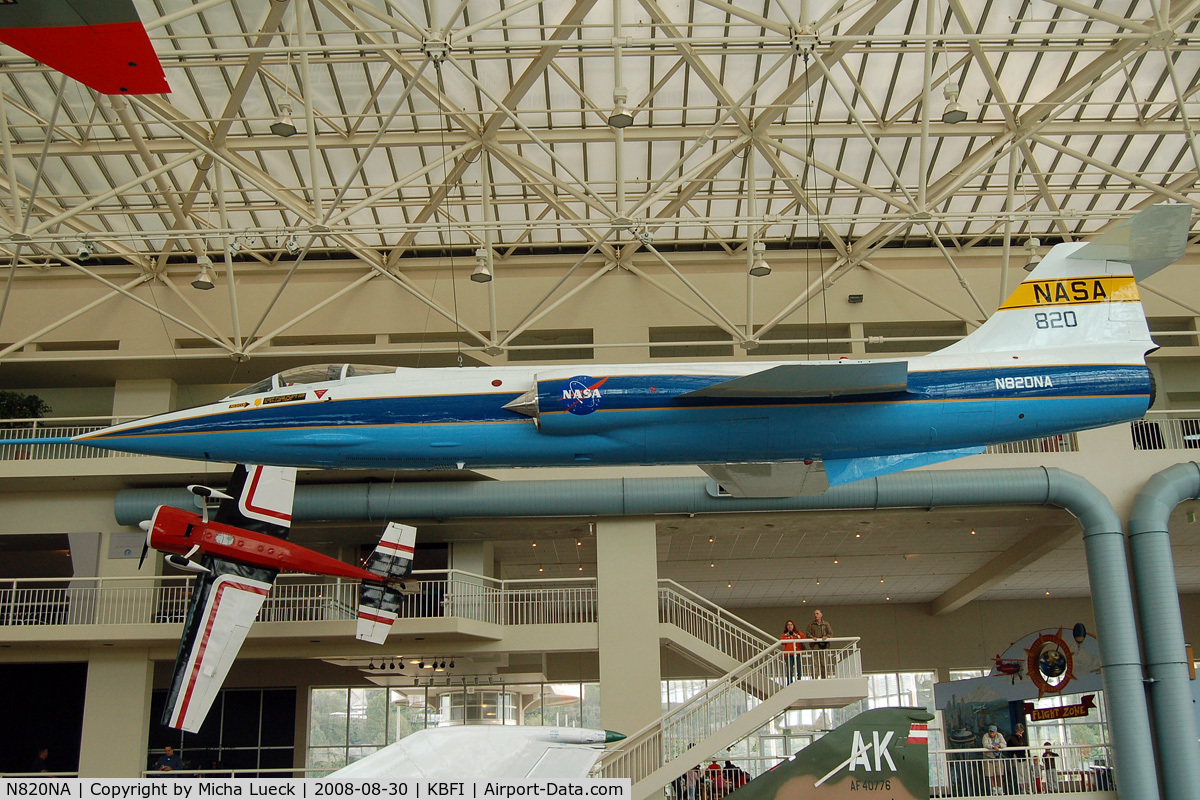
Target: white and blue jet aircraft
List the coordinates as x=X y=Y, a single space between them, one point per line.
x=1065 y=352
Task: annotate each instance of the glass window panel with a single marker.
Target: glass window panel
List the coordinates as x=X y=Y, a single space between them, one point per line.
x=591 y=705
x=408 y=712
x=326 y=757
x=368 y=716
x=278 y=718
x=239 y=759
x=240 y=718
x=275 y=758
x=355 y=753
x=327 y=717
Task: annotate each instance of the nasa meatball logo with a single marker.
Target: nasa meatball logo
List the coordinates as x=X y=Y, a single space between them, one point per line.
x=581 y=394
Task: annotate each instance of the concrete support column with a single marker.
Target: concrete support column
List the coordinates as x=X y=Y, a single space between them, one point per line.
x=116 y=713
x=627 y=605
x=468 y=594
x=476 y=557
x=141 y=398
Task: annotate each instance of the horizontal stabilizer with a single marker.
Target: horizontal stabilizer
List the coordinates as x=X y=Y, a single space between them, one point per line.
x=782 y=479
x=393 y=555
x=813 y=380
x=379 y=603
x=378 y=607
x=1147 y=242
x=848 y=470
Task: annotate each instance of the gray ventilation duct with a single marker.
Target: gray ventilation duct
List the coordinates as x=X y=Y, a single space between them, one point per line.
x=1104 y=543
x=1162 y=627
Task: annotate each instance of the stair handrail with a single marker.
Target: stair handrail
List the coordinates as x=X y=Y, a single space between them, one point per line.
x=767 y=672
x=723 y=613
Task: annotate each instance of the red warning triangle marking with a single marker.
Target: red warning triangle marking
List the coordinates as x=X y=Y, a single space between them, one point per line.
x=320 y=392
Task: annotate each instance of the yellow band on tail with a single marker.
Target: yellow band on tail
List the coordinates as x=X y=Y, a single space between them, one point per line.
x=1074 y=291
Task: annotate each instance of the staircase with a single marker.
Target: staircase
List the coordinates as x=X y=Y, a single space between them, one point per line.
x=700 y=629
x=754 y=690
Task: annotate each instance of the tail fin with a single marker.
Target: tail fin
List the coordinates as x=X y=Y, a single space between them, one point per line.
x=379 y=603
x=1084 y=294
x=259 y=499
x=884 y=750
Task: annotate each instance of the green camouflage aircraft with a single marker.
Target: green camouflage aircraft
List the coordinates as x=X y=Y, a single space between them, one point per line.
x=880 y=753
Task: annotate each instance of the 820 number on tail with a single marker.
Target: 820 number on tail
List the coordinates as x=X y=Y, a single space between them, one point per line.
x=1055 y=319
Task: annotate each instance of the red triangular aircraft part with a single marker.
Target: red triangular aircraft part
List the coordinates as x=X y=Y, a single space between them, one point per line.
x=100 y=43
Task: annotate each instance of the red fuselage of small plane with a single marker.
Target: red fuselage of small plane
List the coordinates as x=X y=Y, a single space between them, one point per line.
x=173 y=530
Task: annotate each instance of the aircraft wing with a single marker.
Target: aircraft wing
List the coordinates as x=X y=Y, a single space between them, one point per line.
x=227 y=596
x=780 y=479
x=834 y=379
x=224 y=603
x=100 y=43
x=506 y=754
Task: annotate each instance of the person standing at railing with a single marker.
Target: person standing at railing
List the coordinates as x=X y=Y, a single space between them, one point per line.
x=1017 y=761
x=1049 y=769
x=993 y=742
x=819 y=630
x=168 y=761
x=791 y=649
x=40 y=764
x=735 y=776
x=716 y=780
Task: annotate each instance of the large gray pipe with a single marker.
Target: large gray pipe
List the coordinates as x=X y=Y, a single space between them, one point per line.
x=1104 y=543
x=1162 y=627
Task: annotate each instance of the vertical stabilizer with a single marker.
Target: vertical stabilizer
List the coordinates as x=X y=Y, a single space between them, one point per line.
x=1085 y=294
x=881 y=753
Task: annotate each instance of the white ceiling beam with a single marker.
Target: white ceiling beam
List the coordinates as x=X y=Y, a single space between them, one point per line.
x=1041 y=542
x=1135 y=179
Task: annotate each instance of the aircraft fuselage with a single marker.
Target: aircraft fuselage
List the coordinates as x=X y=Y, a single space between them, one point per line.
x=639 y=414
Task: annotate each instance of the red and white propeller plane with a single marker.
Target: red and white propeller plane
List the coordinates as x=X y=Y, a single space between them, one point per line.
x=236 y=555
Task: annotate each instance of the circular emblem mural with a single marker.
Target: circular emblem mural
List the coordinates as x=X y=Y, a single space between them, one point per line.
x=1050 y=664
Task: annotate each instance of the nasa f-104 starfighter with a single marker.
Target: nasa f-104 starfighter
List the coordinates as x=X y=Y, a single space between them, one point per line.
x=236 y=556
x=1065 y=352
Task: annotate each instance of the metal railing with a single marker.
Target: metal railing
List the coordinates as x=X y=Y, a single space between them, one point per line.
x=306 y=598
x=296 y=598
x=1166 y=430
x=717 y=706
x=1059 y=443
x=1035 y=770
x=565 y=601
x=710 y=623
x=21 y=443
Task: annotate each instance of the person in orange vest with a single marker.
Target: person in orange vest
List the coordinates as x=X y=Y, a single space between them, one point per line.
x=791 y=649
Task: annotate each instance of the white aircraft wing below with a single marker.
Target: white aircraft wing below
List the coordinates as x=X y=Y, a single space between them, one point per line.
x=504 y=753
x=223 y=606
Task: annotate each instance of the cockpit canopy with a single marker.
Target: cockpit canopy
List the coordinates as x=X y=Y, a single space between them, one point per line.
x=313 y=373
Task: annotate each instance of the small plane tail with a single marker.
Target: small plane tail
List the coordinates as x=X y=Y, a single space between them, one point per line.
x=379 y=603
x=258 y=498
x=884 y=750
x=1085 y=294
